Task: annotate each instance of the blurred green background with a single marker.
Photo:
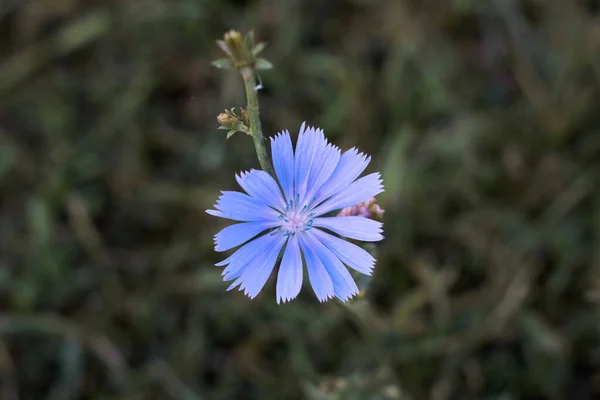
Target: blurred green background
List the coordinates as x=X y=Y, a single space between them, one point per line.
x=482 y=115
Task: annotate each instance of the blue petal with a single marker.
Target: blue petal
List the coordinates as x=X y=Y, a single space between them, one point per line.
x=322 y=166
x=241 y=207
x=283 y=162
x=253 y=279
x=244 y=256
x=262 y=187
x=350 y=254
x=237 y=234
x=358 y=191
x=310 y=142
x=317 y=274
x=246 y=262
x=343 y=284
x=358 y=228
x=351 y=164
x=289 y=278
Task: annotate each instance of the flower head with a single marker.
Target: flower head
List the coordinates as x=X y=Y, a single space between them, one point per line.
x=288 y=215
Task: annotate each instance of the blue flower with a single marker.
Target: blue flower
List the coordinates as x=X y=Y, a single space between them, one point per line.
x=313 y=181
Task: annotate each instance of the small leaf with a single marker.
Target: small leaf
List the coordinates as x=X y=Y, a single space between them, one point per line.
x=261 y=63
x=222 y=63
x=258 y=48
x=249 y=40
x=230 y=133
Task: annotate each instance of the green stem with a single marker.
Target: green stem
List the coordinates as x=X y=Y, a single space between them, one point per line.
x=253 y=115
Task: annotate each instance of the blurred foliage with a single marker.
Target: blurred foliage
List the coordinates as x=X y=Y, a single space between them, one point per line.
x=483 y=116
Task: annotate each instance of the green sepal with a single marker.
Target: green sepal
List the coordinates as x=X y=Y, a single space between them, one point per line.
x=258 y=48
x=222 y=63
x=249 y=40
x=261 y=63
x=223 y=46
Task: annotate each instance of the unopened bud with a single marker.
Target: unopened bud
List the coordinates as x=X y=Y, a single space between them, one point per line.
x=367 y=209
x=225 y=119
x=241 y=52
x=233 y=37
x=232 y=122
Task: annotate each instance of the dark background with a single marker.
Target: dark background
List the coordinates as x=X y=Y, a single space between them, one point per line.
x=482 y=115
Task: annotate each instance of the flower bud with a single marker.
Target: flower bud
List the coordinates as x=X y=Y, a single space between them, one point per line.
x=367 y=209
x=241 y=52
x=225 y=119
x=234 y=123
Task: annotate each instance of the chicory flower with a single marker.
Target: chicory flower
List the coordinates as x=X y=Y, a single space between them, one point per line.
x=288 y=215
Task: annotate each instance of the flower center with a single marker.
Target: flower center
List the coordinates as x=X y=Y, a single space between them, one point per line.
x=296 y=222
x=295 y=219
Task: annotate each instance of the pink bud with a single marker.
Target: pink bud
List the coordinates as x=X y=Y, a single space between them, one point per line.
x=367 y=209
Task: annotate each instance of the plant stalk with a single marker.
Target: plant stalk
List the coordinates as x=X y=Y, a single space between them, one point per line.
x=253 y=115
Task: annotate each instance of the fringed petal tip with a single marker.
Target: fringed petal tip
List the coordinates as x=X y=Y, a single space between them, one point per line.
x=284 y=300
x=278 y=136
x=326 y=298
